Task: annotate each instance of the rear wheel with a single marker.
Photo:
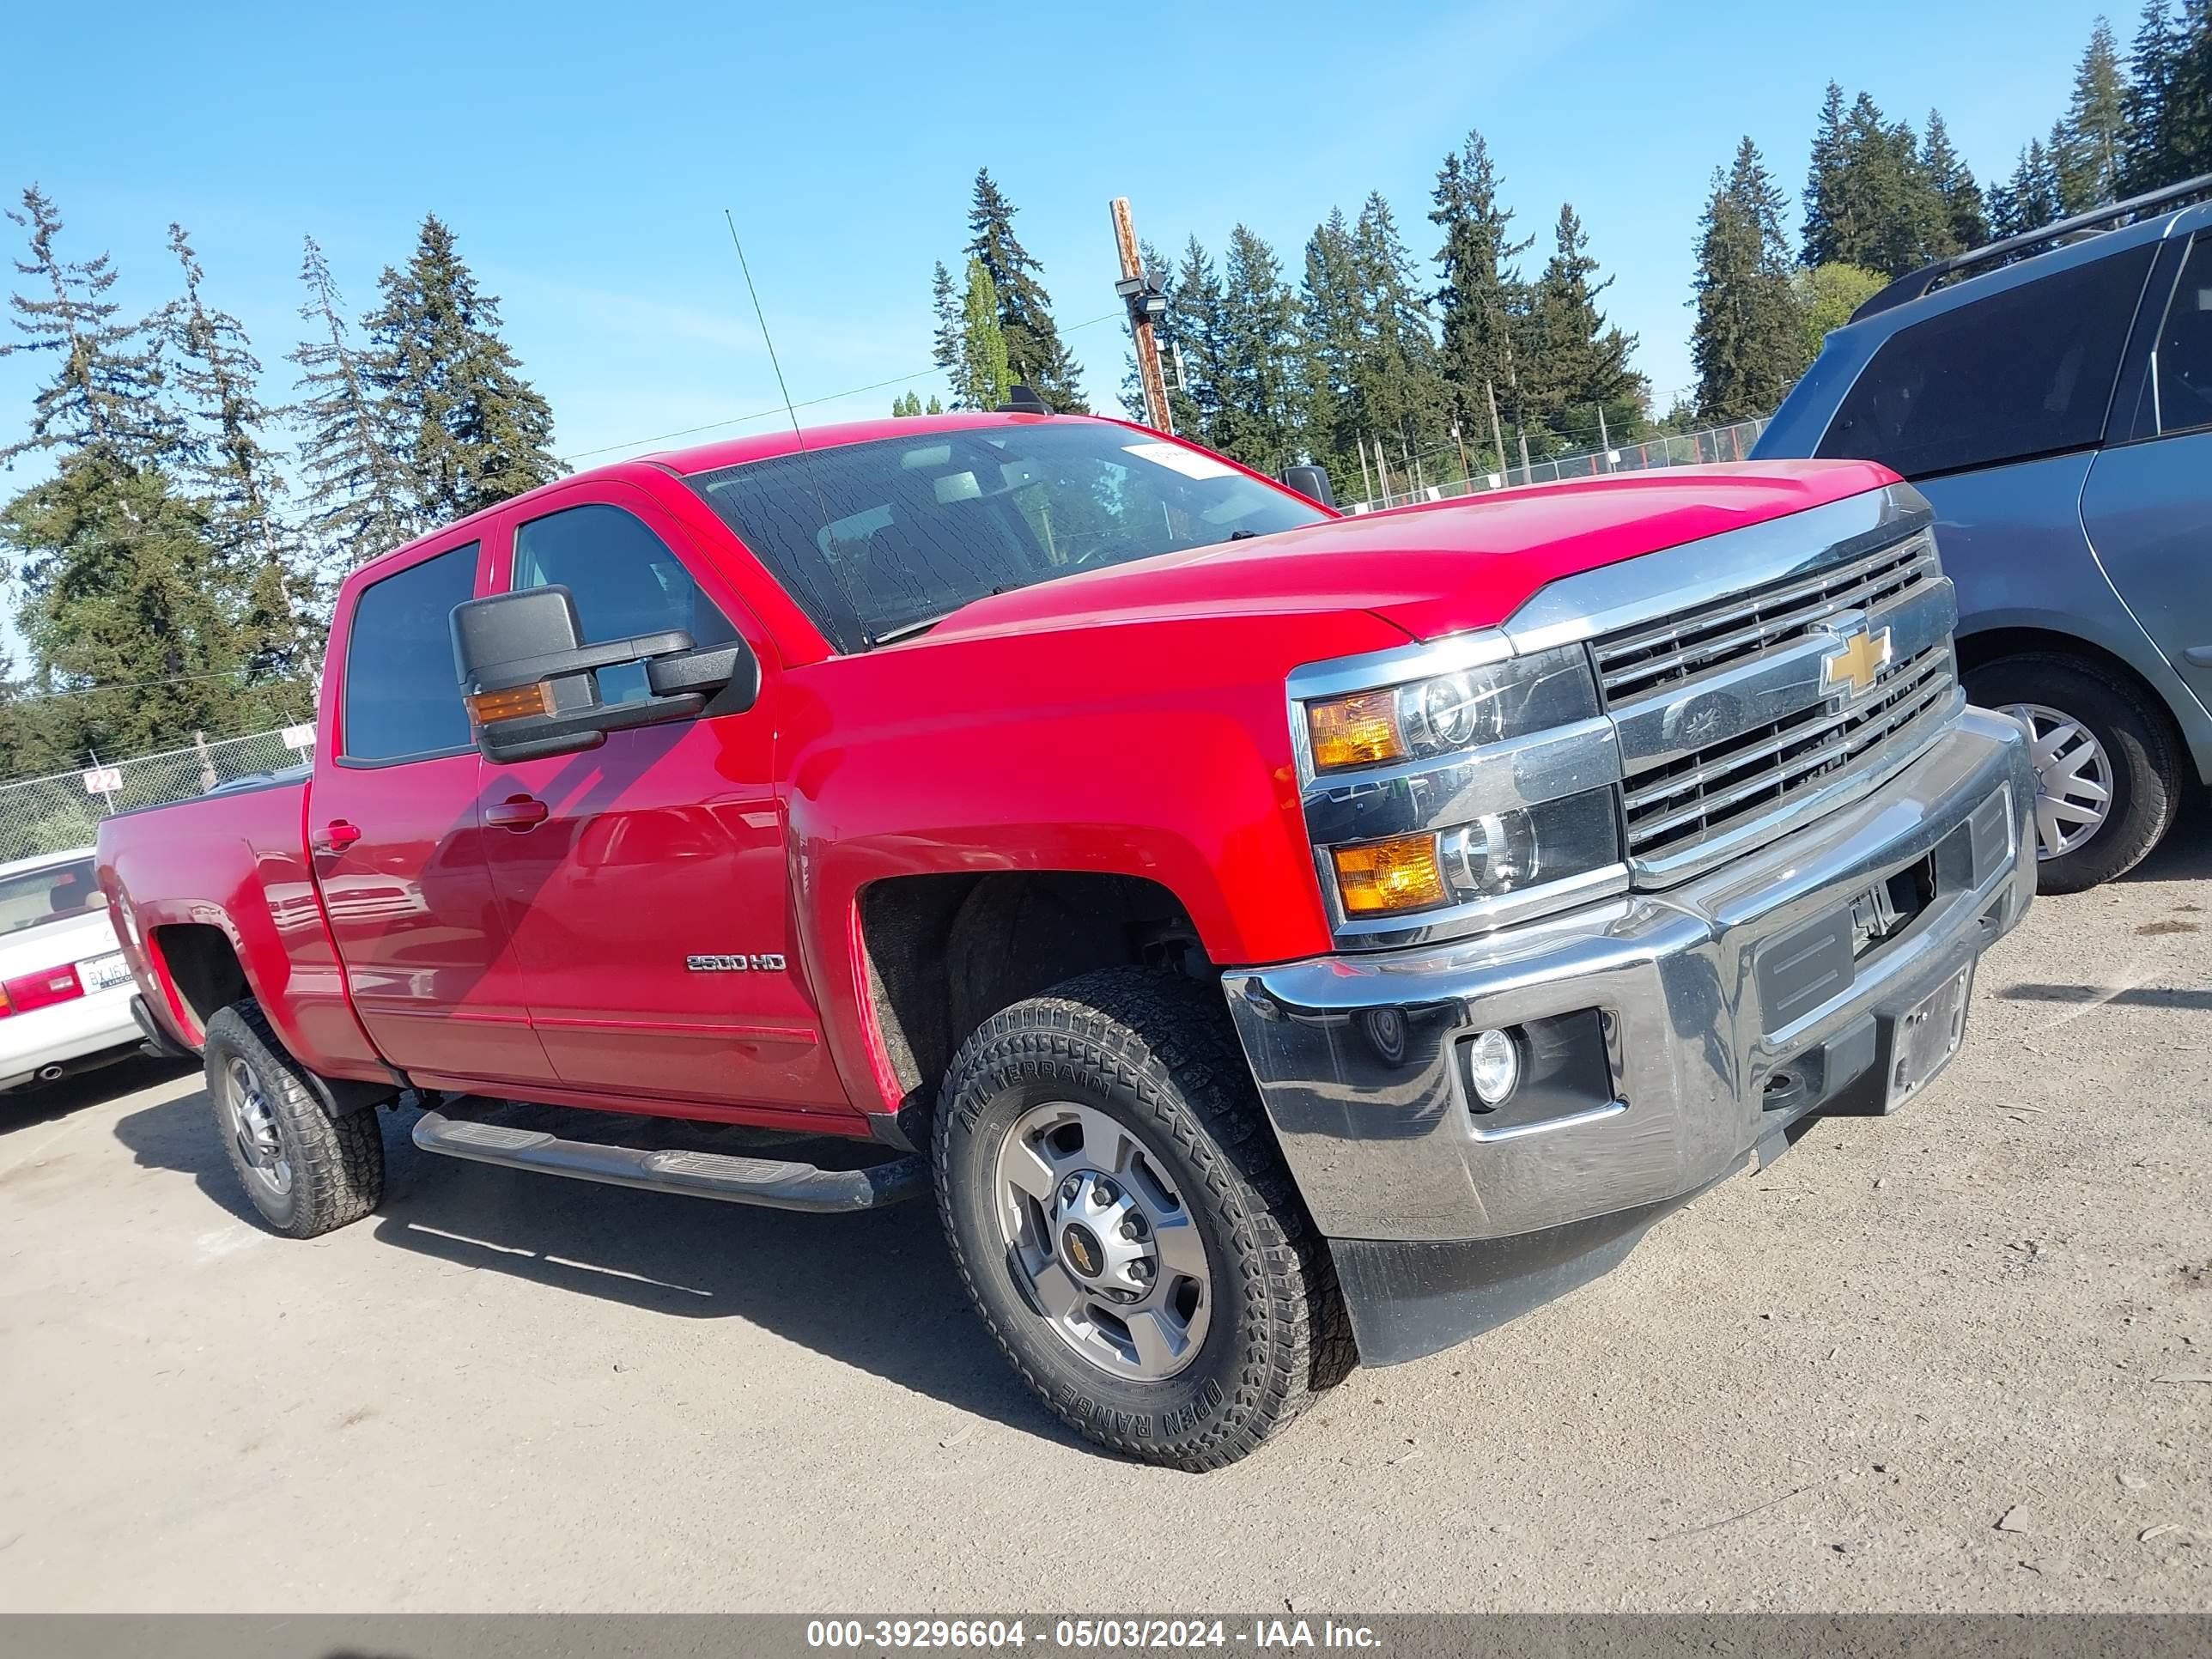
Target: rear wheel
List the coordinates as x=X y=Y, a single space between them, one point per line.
x=305 y=1171
x=2108 y=775
x=1116 y=1207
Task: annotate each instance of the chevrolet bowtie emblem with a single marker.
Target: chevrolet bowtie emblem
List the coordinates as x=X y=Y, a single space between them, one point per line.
x=1857 y=660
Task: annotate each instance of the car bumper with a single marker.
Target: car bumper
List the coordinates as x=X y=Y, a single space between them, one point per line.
x=1719 y=1012
x=65 y=1035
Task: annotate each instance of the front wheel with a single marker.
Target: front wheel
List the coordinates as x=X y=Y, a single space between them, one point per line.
x=2107 y=774
x=1117 y=1209
x=305 y=1171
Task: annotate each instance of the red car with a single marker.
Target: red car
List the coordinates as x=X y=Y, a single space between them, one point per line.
x=1273 y=936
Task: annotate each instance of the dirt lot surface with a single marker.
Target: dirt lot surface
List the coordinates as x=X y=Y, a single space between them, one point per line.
x=1961 y=1359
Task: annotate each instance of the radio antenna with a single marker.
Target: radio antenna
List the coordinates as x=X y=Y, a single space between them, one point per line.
x=761 y=317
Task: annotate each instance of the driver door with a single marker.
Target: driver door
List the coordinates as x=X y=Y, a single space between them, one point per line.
x=645 y=881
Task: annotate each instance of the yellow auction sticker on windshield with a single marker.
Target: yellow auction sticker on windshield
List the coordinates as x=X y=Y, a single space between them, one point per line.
x=1191 y=463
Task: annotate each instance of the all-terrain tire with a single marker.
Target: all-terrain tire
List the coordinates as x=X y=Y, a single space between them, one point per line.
x=333 y=1166
x=2144 y=761
x=1156 y=1052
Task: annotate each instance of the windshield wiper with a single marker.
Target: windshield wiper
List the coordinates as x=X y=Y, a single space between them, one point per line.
x=906 y=630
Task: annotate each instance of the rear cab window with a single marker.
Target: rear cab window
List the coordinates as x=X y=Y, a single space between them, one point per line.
x=402 y=695
x=2025 y=371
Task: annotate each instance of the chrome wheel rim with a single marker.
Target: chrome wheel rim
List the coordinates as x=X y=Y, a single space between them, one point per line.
x=1100 y=1243
x=254 y=1127
x=2073 y=778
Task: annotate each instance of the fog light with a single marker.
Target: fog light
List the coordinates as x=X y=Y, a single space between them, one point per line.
x=1493 y=1066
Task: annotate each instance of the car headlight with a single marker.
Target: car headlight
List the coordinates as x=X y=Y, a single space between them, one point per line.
x=1496 y=854
x=1444 y=713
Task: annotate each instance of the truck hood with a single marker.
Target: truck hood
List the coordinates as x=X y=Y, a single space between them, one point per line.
x=1432 y=570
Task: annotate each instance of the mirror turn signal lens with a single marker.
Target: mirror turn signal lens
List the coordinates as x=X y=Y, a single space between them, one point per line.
x=1376 y=878
x=1358 y=730
x=515 y=703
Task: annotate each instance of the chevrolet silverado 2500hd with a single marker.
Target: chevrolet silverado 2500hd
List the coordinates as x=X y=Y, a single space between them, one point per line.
x=1276 y=938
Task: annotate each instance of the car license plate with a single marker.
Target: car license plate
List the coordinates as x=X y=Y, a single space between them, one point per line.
x=1927 y=1037
x=103 y=973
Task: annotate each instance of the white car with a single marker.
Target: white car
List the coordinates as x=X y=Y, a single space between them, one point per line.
x=64 y=992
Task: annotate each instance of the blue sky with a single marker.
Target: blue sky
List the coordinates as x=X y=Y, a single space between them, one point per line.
x=584 y=154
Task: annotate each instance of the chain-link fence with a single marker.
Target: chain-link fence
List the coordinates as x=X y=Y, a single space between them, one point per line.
x=1701 y=448
x=53 y=814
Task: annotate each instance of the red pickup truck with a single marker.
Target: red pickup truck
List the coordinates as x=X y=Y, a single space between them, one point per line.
x=1276 y=938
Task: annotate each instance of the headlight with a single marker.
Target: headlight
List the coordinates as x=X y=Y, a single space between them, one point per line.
x=1496 y=854
x=1447 y=712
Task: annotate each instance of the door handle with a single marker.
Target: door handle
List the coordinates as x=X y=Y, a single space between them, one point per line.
x=2199 y=655
x=516 y=812
x=336 y=835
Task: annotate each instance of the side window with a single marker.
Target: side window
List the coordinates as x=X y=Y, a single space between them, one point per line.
x=2184 y=346
x=403 y=698
x=2025 y=371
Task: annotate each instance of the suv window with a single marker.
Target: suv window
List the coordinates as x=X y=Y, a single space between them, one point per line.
x=625 y=580
x=2184 y=366
x=2025 y=371
x=881 y=538
x=403 y=697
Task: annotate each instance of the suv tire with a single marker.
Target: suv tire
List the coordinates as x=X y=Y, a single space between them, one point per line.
x=1120 y=1099
x=305 y=1171
x=2134 y=762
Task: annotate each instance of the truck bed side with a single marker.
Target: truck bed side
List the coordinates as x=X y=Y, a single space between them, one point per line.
x=209 y=892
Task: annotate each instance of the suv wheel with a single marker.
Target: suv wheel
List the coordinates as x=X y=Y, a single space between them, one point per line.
x=1117 y=1210
x=2108 y=776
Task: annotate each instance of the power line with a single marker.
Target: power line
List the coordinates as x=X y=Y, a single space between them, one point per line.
x=804 y=403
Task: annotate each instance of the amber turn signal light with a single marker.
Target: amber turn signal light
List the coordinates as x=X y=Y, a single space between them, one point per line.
x=1378 y=877
x=1358 y=730
x=515 y=703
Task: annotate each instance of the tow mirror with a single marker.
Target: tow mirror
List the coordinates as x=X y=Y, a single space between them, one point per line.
x=1311 y=482
x=532 y=685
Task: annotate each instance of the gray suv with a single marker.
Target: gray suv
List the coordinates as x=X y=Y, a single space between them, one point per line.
x=2051 y=394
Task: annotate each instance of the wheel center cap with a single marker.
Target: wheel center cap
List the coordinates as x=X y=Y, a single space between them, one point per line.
x=1080 y=1249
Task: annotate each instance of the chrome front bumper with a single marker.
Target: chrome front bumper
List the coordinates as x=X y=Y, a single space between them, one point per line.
x=1356 y=1055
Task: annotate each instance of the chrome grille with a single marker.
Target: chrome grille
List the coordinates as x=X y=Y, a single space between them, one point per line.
x=1654 y=655
x=1693 y=800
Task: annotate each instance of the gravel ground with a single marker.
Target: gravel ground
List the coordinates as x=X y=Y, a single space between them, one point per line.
x=1961 y=1359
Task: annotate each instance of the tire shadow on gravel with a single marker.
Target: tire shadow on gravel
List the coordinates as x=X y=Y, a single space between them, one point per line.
x=874 y=1290
x=2185 y=855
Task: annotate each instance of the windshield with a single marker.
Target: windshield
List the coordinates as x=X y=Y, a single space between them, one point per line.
x=56 y=892
x=875 y=539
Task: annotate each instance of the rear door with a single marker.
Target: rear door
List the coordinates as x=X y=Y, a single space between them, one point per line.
x=646 y=880
x=399 y=852
x=2147 y=506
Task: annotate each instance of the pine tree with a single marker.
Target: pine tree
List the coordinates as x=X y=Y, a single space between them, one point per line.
x=2188 y=111
x=477 y=433
x=1035 y=351
x=1258 y=419
x=2029 y=199
x=1824 y=182
x=122 y=591
x=944 y=306
x=1748 y=343
x=1965 y=218
x=981 y=379
x=107 y=383
x=2095 y=129
x=1333 y=325
x=2147 y=158
x=1193 y=334
x=935 y=407
x=1577 y=363
x=1482 y=301
x=1398 y=382
x=214 y=384
x=352 y=463
x=904 y=404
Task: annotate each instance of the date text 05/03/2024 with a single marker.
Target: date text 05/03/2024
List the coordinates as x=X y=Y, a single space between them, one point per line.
x=1086 y=1635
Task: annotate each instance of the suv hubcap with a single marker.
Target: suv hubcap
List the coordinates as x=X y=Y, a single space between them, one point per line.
x=254 y=1127
x=1101 y=1243
x=2073 y=778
